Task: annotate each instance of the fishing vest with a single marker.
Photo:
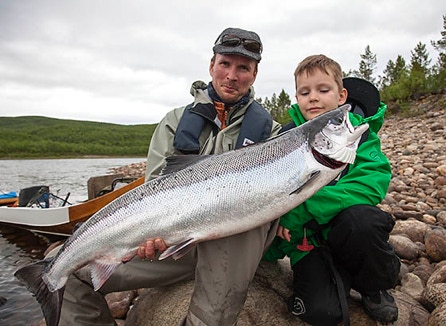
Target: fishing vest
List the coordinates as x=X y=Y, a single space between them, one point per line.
x=256 y=126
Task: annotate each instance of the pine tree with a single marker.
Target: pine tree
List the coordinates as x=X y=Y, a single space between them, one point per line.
x=283 y=104
x=274 y=110
x=367 y=65
x=419 y=70
x=267 y=104
x=278 y=106
x=440 y=45
x=394 y=72
x=419 y=59
x=440 y=66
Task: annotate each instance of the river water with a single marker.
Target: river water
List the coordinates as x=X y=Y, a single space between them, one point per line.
x=18 y=247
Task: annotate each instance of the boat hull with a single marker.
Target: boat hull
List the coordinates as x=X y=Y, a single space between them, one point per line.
x=60 y=220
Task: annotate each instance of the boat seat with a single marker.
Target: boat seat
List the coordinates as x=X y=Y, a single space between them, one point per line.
x=34 y=195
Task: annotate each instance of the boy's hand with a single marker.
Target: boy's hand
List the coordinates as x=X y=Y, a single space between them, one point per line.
x=283 y=233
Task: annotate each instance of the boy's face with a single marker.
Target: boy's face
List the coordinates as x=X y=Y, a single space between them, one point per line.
x=317 y=93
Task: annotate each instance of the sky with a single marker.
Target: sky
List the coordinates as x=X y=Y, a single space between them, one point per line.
x=132 y=61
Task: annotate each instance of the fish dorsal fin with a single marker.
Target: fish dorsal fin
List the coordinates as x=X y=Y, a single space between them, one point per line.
x=179 y=250
x=101 y=271
x=179 y=162
x=312 y=177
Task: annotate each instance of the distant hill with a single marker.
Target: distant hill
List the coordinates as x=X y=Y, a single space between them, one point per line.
x=42 y=137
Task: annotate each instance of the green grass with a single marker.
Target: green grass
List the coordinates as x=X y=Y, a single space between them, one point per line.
x=42 y=137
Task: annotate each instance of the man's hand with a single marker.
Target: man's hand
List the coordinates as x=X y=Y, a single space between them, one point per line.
x=283 y=233
x=151 y=247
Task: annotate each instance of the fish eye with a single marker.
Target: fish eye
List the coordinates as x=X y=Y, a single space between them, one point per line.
x=337 y=120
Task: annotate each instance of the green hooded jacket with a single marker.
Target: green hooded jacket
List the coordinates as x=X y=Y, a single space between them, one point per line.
x=365 y=183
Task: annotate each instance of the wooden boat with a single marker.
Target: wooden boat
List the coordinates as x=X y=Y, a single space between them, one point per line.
x=60 y=220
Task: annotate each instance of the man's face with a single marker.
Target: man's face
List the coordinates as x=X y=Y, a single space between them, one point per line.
x=317 y=93
x=232 y=75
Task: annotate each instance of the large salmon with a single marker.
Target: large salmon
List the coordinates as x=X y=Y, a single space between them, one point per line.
x=209 y=197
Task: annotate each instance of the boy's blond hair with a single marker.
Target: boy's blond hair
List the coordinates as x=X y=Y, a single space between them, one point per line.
x=324 y=64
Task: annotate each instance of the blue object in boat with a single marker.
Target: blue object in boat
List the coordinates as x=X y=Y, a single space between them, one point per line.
x=11 y=194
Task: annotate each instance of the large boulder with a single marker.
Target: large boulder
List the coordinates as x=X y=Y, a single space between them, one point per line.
x=265 y=304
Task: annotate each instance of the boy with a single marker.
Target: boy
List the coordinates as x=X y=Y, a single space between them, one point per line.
x=339 y=233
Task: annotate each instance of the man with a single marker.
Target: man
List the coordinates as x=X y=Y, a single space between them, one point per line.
x=222 y=117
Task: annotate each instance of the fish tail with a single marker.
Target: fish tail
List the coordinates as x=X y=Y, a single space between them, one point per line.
x=50 y=302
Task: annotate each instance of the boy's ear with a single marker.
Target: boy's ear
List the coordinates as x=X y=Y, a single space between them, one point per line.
x=343 y=96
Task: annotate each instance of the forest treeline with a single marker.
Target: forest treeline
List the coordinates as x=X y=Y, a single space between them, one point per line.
x=41 y=137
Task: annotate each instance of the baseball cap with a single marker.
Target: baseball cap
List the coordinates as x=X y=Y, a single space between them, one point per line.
x=239 y=41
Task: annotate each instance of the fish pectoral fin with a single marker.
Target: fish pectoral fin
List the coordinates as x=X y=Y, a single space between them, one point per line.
x=312 y=177
x=101 y=271
x=179 y=250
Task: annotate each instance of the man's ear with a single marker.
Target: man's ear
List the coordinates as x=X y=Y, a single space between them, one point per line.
x=255 y=76
x=211 y=66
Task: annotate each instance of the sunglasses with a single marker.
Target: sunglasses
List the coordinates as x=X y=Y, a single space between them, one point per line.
x=233 y=41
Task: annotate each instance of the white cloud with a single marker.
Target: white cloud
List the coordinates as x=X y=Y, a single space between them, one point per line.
x=132 y=61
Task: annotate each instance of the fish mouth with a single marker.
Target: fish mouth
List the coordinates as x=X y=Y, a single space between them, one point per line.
x=326 y=161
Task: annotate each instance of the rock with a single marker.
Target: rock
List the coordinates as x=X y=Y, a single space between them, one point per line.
x=435 y=294
x=423 y=271
x=414 y=229
x=436 y=126
x=410 y=311
x=168 y=305
x=40 y=323
x=119 y=303
x=438 y=316
x=265 y=304
x=405 y=214
x=438 y=275
x=52 y=246
x=441 y=181
x=161 y=306
x=408 y=171
x=2 y=301
x=441 y=218
x=412 y=285
x=441 y=193
x=429 y=219
x=442 y=170
x=436 y=244
x=404 y=247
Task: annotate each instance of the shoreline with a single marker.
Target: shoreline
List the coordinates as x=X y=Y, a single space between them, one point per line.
x=66 y=157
